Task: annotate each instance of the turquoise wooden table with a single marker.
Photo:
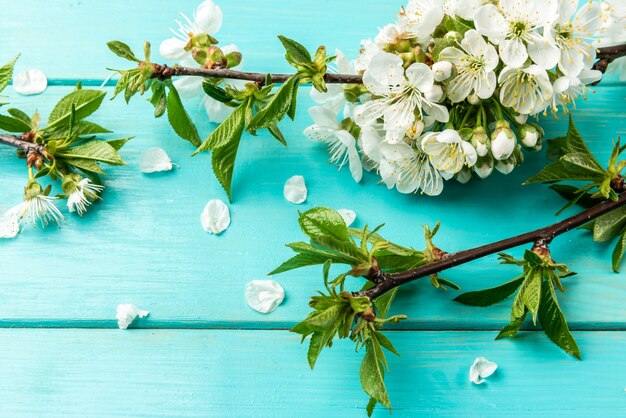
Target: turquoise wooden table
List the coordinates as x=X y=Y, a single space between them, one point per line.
x=203 y=351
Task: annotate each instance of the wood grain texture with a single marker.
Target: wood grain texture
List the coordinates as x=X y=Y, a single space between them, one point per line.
x=164 y=373
x=144 y=243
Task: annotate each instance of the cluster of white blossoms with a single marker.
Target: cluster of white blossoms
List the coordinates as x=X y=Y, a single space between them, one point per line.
x=449 y=89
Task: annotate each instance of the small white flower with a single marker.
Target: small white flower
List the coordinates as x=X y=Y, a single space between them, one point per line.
x=9 y=225
x=464 y=9
x=448 y=152
x=29 y=82
x=154 y=160
x=264 y=295
x=481 y=369
x=567 y=89
x=84 y=194
x=387 y=35
x=475 y=63
x=506 y=166
x=37 y=210
x=483 y=168
x=341 y=144
x=349 y=216
x=503 y=141
x=368 y=51
x=127 y=313
x=464 y=176
x=401 y=166
x=402 y=96
x=207 y=19
x=215 y=217
x=421 y=17
x=525 y=90
x=295 y=190
x=514 y=26
x=572 y=31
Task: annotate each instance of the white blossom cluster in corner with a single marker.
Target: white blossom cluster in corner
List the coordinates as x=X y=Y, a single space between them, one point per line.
x=449 y=88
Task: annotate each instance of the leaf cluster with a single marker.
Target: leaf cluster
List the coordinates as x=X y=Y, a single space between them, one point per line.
x=310 y=69
x=536 y=295
x=573 y=162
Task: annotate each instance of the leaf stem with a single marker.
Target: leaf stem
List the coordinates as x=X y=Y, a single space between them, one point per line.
x=543 y=236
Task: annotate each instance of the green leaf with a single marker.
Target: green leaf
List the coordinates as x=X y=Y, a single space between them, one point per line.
x=512 y=328
x=618 y=252
x=89 y=166
x=223 y=161
x=122 y=50
x=6 y=72
x=532 y=292
x=88 y=128
x=384 y=302
x=276 y=133
x=318 y=341
x=277 y=107
x=302 y=260
x=227 y=132
x=11 y=124
x=93 y=150
x=117 y=144
x=584 y=165
x=296 y=50
x=564 y=170
x=85 y=103
x=533 y=259
x=323 y=222
x=490 y=296
x=384 y=342
x=18 y=114
x=216 y=92
x=373 y=375
x=294 y=102
x=554 y=324
x=610 y=225
x=179 y=118
x=370 y=406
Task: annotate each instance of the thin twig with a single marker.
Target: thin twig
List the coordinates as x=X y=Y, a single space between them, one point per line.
x=543 y=236
x=605 y=55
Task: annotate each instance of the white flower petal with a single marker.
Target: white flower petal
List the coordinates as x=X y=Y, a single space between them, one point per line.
x=481 y=369
x=30 y=82
x=264 y=295
x=295 y=190
x=126 y=314
x=349 y=216
x=324 y=117
x=216 y=111
x=173 y=49
x=489 y=22
x=208 y=17
x=215 y=217
x=513 y=52
x=544 y=54
x=9 y=225
x=420 y=76
x=189 y=87
x=154 y=160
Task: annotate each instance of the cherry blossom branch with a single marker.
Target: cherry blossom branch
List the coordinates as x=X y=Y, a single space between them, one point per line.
x=540 y=237
x=163 y=72
x=18 y=141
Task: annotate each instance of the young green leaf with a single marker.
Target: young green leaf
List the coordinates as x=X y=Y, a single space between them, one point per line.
x=553 y=322
x=373 y=374
x=490 y=296
x=11 y=124
x=93 y=150
x=6 y=72
x=227 y=132
x=277 y=107
x=117 y=144
x=618 y=252
x=18 y=114
x=179 y=118
x=323 y=222
x=88 y=166
x=85 y=102
x=513 y=327
x=216 y=92
x=532 y=292
x=122 y=50
x=296 y=50
x=608 y=226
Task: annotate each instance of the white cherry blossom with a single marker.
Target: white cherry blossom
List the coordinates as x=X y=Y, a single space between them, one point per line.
x=475 y=63
x=568 y=88
x=525 y=90
x=402 y=96
x=514 y=25
x=448 y=152
x=207 y=19
x=421 y=17
x=84 y=194
x=341 y=144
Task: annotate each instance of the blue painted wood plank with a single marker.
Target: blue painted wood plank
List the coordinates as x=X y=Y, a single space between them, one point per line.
x=144 y=243
x=101 y=373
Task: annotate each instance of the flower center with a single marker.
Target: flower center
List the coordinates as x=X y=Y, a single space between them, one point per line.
x=519 y=30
